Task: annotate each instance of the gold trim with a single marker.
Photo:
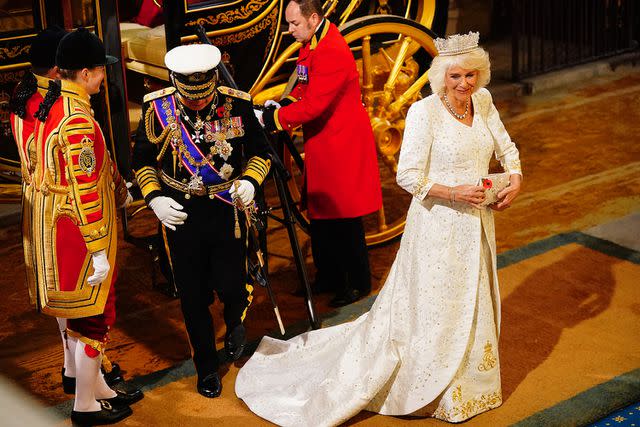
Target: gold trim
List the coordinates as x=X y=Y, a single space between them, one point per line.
x=268 y=22
x=231 y=16
x=186 y=9
x=14 y=51
x=8 y=76
x=233 y=29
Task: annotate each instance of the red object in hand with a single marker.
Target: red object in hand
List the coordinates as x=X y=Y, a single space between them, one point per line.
x=486 y=183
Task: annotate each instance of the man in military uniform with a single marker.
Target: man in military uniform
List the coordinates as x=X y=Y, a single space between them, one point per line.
x=77 y=191
x=26 y=99
x=199 y=157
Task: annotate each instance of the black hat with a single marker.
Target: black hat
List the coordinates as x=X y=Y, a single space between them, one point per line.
x=43 y=48
x=82 y=49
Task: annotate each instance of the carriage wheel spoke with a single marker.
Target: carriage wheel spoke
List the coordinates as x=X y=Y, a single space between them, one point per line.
x=367 y=69
x=393 y=110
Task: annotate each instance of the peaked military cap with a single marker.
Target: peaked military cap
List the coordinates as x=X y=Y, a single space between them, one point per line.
x=193 y=69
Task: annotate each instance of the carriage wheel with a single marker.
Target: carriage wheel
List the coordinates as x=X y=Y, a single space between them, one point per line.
x=393 y=55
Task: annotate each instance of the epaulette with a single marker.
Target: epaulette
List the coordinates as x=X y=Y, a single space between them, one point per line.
x=159 y=94
x=234 y=92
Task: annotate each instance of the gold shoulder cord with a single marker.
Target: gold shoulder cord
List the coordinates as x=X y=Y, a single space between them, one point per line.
x=164 y=135
x=148 y=126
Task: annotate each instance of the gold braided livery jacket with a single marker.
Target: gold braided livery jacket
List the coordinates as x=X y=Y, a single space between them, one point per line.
x=22 y=129
x=78 y=189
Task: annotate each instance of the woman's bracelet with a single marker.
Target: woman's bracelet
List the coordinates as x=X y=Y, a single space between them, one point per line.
x=452 y=195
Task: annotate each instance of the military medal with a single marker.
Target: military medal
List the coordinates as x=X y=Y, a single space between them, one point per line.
x=195 y=182
x=303 y=73
x=225 y=171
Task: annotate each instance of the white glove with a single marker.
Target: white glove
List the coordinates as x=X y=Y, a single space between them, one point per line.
x=128 y=200
x=168 y=211
x=100 y=268
x=271 y=103
x=245 y=191
x=258 y=114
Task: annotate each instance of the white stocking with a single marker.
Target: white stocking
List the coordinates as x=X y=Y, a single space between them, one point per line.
x=87 y=372
x=69 y=347
x=102 y=390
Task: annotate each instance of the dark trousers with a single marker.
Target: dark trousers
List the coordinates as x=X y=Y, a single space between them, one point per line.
x=206 y=257
x=340 y=254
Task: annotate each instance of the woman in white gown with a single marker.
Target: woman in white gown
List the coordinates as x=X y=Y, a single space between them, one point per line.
x=429 y=344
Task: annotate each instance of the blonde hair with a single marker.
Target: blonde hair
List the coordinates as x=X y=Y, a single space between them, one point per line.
x=477 y=59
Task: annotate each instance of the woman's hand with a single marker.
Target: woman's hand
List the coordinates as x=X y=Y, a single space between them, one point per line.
x=469 y=194
x=506 y=196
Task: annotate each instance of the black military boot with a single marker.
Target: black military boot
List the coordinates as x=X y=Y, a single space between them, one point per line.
x=235 y=342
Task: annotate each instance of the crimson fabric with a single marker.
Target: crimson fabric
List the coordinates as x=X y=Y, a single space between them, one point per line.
x=97 y=327
x=341 y=166
x=150 y=14
x=71 y=250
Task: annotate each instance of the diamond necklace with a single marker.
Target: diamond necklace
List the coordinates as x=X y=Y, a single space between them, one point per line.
x=458 y=116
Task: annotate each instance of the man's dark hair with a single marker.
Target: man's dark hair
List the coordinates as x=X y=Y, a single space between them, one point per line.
x=309 y=7
x=69 y=74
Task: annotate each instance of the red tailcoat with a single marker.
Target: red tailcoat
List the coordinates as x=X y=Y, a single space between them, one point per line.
x=341 y=166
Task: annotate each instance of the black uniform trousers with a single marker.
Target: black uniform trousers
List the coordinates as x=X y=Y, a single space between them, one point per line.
x=340 y=254
x=206 y=257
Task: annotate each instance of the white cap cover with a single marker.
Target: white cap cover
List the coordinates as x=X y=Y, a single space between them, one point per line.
x=193 y=58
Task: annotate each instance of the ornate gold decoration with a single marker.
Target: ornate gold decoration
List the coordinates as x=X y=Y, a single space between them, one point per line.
x=13 y=52
x=11 y=77
x=488 y=360
x=456 y=395
x=470 y=408
x=233 y=15
x=5 y=98
x=268 y=21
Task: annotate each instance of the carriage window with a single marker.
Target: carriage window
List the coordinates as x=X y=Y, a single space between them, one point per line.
x=200 y=4
x=16 y=15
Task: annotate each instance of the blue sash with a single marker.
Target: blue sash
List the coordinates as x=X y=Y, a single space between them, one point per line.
x=166 y=112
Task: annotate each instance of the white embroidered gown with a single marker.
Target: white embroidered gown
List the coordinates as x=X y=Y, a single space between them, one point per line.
x=428 y=346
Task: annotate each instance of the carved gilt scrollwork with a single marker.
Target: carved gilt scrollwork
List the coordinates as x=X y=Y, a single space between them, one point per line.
x=13 y=51
x=11 y=77
x=243 y=12
x=270 y=21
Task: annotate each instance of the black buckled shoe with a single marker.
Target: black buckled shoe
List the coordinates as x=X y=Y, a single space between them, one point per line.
x=125 y=398
x=114 y=376
x=68 y=383
x=347 y=297
x=235 y=342
x=107 y=414
x=210 y=386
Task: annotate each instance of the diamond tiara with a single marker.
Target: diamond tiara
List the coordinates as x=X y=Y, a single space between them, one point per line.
x=457 y=44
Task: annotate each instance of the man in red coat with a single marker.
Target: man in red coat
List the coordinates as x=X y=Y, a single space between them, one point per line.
x=341 y=168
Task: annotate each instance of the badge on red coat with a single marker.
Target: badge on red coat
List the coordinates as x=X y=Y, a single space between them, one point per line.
x=303 y=73
x=87 y=157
